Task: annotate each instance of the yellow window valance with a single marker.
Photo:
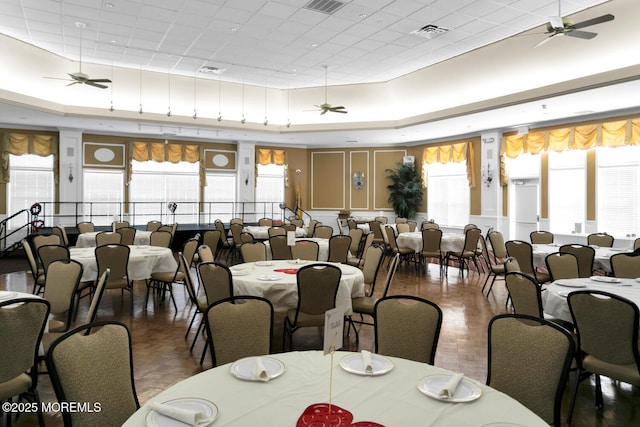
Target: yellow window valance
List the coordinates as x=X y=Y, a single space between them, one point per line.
x=160 y=152
x=19 y=144
x=451 y=153
x=267 y=156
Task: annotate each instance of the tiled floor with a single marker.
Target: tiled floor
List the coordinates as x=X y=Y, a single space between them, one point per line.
x=162 y=357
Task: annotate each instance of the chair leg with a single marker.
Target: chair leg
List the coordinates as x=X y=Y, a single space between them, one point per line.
x=573 y=398
x=191 y=324
x=599 y=401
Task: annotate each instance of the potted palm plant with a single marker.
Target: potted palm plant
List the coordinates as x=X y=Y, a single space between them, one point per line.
x=405 y=190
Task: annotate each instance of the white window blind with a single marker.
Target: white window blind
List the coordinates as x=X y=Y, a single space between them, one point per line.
x=567 y=191
x=618 y=184
x=31 y=181
x=105 y=190
x=220 y=196
x=156 y=184
x=448 y=194
x=269 y=188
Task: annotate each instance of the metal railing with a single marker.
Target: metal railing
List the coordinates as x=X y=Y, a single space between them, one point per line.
x=6 y=242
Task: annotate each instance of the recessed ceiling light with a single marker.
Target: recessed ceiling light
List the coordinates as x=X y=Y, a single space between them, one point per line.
x=314 y=45
x=233 y=29
x=80 y=24
x=363 y=15
x=108 y=5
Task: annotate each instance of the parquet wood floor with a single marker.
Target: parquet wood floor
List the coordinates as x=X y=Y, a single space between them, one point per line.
x=162 y=356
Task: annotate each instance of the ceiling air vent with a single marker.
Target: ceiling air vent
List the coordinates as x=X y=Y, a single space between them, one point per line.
x=208 y=69
x=429 y=31
x=324 y=6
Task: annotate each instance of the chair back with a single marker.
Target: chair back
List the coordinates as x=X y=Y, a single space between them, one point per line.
x=160 y=238
x=212 y=239
x=289 y=227
x=49 y=253
x=97 y=296
x=188 y=280
x=23 y=321
x=562 y=265
x=603 y=240
x=236 y=221
x=312 y=227
x=61 y=232
x=485 y=252
x=85 y=227
x=239 y=327
x=265 y=222
x=529 y=360
x=412 y=225
x=339 y=248
x=496 y=240
x=431 y=239
x=189 y=249
x=305 y=250
x=236 y=230
x=216 y=280
x=298 y=223
x=42 y=239
x=317 y=289
x=276 y=231
x=94 y=368
x=323 y=232
x=352 y=224
x=511 y=265
x=636 y=244
x=371 y=266
x=428 y=224
x=279 y=247
x=585 y=256
x=108 y=238
x=391 y=272
x=468 y=227
x=61 y=284
x=253 y=251
x=523 y=253
x=402 y=227
x=541 y=237
x=368 y=241
x=390 y=234
x=116 y=259
x=153 y=225
x=205 y=254
x=626 y=265
x=400 y=220
x=525 y=294
x=115 y=225
x=382 y=219
x=33 y=264
x=246 y=237
x=356 y=240
x=375 y=227
x=471 y=237
x=407 y=327
x=127 y=235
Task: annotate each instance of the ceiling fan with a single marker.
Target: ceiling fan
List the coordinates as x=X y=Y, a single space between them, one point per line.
x=326 y=107
x=559 y=26
x=80 y=77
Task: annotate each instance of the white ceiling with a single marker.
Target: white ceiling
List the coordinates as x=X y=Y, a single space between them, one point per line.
x=279 y=44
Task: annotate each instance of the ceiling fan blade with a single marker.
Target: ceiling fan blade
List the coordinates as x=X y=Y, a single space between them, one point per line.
x=74 y=83
x=323 y=112
x=94 y=84
x=100 y=80
x=340 y=111
x=543 y=41
x=56 y=78
x=337 y=108
x=594 y=21
x=586 y=35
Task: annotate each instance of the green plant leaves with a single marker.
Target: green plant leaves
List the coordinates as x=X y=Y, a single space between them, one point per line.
x=405 y=190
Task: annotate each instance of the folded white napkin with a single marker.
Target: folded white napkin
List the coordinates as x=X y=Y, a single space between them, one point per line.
x=260 y=371
x=192 y=418
x=366 y=361
x=450 y=387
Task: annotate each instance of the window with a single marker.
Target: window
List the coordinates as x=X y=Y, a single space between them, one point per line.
x=156 y=184
x=104 y=190
x=567 y=191
x=269 y=189
x=618 y=184
x=220 y=196
x=31 y=181
x=448 y=194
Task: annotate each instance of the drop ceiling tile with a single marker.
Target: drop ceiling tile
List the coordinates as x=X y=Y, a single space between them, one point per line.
x=404 y=8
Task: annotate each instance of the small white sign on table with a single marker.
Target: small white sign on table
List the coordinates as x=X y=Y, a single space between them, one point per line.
x=333 y=330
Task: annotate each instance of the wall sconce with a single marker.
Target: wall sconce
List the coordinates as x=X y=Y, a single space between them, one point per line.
x=70 y=172
x=487 y=175
x=358 y=180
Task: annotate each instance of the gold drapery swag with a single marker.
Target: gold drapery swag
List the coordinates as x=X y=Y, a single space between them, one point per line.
x=19 y=144
x=450 y=153
x=609 y=134
x=267 y=156
x=161 y=152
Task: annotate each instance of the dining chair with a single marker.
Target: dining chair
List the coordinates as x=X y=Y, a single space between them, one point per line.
x=525 y=294
x=127 y=235
x=431 y=247
x=311 y=228
x=355 y=248
x=37 y=272
x=200 y=303
x=323 y=232
x=42 y=239
x=317 y=289
x=607 y=329
x=382 y=219
x=298 y=223
x=61 y=287
x=279 y=247
x=239 y=327
x=626 y=265
x=85 y=227
x=94 y=368
x=236 y=221
x=289 y=227
x=469 y=227
x=23 y=322
x=49 y=253
x=562 y=265
x=529 y=359
x=253 y=251
x=108 y=238
x=412 y=225
x=115 y=225
x=153 y=225
x=603 y=240
x=358 y=260
x=212 y=239
x=468 y=252
x=428 y=224
x=365 y=305
x=376 y=228
x=159 y=238
x=265 y=222
x=339 y=222
x=585 y=256
x=636 y=244
x=305 y=250
x=495 y=270
x=523 y=252
x=401 y=220
x=402 y=227
x=61 y=232
x=116 y=259
x=339 y=248
x=498 y=248
x=407 y=326
x=205 y=254
x=236 y=231
x=276 y=231
x=406 y=254
x=540 y=237
x=227 y=243
x=352 y=224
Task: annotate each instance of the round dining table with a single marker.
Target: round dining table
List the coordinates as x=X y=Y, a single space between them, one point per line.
x=277 y=282
x=88 y=240
x=398 y=393
x=601 y=260
x=554 y=296
x=413 y=240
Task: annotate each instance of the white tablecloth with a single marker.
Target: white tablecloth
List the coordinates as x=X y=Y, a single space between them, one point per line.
x=262 y=232
x=554 y=297
x=392 y=400
x=143 y=260
x=450 y=241
x=601 y=260
x=365 y=227
x=283 y=292
x=323 y=247
x=88 y=240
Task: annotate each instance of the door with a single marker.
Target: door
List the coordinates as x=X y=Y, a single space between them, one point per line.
x=525 y=217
